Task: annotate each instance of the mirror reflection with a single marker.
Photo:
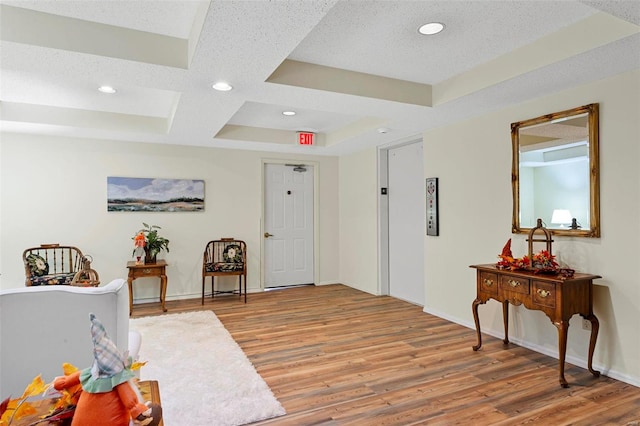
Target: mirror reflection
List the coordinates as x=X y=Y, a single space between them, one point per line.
x=555 y=172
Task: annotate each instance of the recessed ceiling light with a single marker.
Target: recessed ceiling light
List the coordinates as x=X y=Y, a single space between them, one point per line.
x=107 y=89
x=288 y=113
x=222 y=86
x=431 y=28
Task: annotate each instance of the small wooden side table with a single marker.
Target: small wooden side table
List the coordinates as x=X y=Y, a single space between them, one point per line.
x=157 y=269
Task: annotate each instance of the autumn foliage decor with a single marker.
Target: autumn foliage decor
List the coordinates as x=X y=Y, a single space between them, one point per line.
x=63 y=403
x=541 y=262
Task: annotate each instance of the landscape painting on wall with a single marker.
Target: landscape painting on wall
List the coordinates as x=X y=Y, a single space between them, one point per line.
x=125 y=194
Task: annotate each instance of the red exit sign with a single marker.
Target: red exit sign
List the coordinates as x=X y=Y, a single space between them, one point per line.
x=306 y=138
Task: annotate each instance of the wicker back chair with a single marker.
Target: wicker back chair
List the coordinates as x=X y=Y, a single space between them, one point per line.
x=51 y=264
x=225 y=257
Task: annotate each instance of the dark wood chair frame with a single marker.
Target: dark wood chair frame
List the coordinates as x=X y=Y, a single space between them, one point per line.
x=214 y=254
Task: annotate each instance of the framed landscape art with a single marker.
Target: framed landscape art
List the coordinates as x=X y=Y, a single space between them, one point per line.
x=126 y=194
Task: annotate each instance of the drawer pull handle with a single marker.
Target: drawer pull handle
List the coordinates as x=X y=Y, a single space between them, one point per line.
x=146 y=271
x=514 y=283
x=488 y=282
x=543 y=293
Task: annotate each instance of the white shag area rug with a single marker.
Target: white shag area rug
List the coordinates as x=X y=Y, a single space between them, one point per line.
x=205 y=378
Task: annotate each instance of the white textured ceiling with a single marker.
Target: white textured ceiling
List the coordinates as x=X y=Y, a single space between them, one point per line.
x=346 y=67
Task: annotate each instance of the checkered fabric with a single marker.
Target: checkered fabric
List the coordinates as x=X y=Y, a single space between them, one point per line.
x=108 y=359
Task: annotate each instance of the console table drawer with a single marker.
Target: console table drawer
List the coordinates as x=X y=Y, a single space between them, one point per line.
x=515 y=298
x=489 y=283
x=514 y=284
x=544 y=294
x=148 y=271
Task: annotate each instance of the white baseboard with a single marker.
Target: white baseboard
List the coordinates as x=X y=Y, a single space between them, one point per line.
x=184 y=296
x=580 y=362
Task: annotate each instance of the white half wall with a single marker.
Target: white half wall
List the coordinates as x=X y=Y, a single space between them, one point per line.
x=54 y=191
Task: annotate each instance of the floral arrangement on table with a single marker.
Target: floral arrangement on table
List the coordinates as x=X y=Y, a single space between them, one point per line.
x=148 y=239
x=541 y=262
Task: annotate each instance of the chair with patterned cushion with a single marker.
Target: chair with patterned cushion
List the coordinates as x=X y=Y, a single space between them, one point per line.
x=51 y=264
x=225 y=257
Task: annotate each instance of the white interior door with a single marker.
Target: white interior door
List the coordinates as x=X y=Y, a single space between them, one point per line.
x=288 y=225
x=406 y=223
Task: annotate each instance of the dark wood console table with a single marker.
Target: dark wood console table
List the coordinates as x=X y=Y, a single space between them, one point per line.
x=558 y=297
x=157 y=269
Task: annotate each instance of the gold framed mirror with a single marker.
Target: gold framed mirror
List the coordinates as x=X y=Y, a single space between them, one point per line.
x=555 y=174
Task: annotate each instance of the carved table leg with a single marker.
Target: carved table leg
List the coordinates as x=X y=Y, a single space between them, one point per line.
x=563 y=330
x=595 y=326
x=130 y=282
x=163 y=291
x=505 y=319
x=474 y=309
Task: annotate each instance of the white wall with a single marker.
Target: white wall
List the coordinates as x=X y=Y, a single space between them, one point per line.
x=358 y=221
x=54 y=191
x=473 y=161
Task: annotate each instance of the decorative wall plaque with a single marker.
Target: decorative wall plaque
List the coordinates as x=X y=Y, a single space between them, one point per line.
x=432 y=206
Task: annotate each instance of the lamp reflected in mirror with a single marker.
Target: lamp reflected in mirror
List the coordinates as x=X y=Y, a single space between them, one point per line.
x=561 y=217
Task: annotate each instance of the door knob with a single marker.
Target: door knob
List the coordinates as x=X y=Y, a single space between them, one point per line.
x=267 y=235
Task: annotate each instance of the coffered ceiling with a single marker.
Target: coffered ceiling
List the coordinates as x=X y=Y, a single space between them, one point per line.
x=347 y=68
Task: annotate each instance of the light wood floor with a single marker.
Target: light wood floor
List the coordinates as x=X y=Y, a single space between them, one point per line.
x=333 y=355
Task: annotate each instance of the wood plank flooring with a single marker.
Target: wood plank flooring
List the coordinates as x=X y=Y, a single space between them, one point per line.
x=333 y=355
